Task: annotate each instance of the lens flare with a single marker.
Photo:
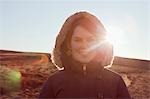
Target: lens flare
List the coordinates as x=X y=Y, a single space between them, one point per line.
x=96 y=46
x=14 y=76
x=10 y=80
x=114 y=35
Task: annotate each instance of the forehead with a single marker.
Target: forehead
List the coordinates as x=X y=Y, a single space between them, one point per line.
x=80 y=31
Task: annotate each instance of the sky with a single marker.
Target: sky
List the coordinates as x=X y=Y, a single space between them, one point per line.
x=32 y=25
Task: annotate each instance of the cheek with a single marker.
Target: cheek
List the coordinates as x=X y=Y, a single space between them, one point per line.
x=75 y=46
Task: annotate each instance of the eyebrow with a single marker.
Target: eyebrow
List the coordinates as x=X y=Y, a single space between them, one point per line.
x=92 y=35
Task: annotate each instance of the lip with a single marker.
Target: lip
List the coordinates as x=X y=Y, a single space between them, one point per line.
x=83 y=52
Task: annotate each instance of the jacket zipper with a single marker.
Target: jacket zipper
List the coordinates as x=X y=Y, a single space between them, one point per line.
x=84 y=69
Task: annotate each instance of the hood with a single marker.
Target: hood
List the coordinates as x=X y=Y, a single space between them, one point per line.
x=59 y=57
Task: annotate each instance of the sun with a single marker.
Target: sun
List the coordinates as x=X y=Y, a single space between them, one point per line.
x=115 y=35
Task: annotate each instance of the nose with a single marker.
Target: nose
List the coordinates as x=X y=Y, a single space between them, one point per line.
x=85 y=44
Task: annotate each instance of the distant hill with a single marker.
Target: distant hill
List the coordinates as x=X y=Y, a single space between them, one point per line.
x=21 y=58
x=14 y=58
x=143 y=64
x=8 y=51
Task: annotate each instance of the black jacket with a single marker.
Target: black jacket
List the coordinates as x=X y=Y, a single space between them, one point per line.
x=92 y=83
x=79 y=80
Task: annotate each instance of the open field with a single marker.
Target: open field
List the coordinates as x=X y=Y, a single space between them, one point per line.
x=22 y=75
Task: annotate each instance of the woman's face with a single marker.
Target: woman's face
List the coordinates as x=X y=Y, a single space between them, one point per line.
x=81 y=42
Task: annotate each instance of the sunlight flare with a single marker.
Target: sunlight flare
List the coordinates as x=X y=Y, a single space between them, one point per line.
x=115 y=35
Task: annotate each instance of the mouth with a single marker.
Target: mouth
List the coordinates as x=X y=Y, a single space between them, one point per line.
x=84 y=52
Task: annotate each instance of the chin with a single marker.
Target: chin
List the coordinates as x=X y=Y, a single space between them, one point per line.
x=83 y=61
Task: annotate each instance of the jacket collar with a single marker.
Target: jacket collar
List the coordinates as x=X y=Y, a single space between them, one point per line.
x=89 y=69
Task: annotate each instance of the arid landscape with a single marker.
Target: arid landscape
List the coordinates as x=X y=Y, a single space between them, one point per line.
x=23 y=73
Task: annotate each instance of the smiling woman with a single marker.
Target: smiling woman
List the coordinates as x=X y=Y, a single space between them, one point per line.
x=82 y=52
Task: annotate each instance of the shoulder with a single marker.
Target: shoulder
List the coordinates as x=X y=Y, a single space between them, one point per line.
x=57 y=77
x=111 y=74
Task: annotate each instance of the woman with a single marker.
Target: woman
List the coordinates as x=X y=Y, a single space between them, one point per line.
x=81 y=53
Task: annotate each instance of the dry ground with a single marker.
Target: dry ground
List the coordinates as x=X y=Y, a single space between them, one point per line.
x=137 y=80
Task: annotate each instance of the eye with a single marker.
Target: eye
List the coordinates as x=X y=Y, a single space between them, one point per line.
x=77 y=39
x=92 y=39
